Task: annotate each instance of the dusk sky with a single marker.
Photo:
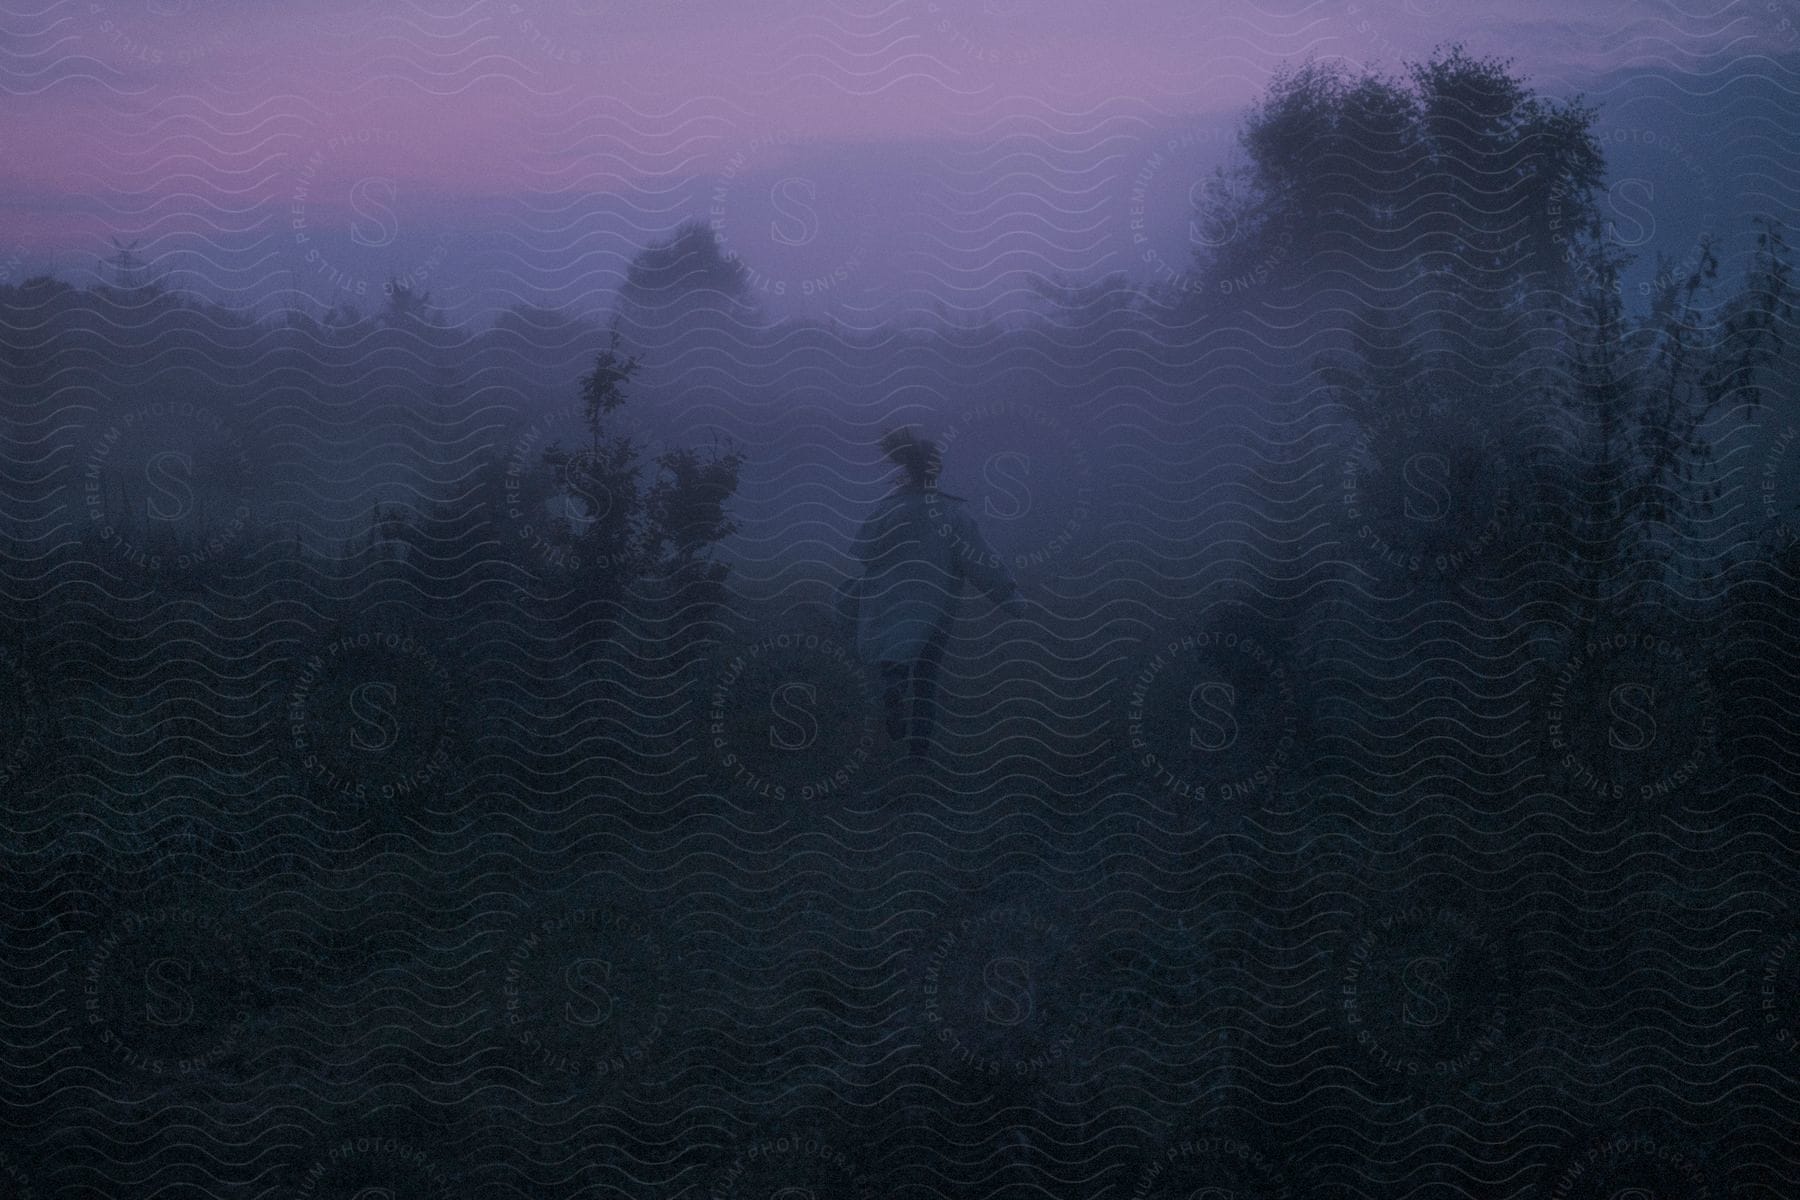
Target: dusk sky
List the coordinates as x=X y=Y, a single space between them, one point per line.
x=857 y=157
x=899 y=599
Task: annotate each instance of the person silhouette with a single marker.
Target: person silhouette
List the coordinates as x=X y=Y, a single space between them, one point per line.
x=917 y=550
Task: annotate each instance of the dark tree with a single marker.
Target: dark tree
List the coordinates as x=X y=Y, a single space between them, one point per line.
x=1636 y=397
x=686 y=273
x=619 y=528
x=1458 y=171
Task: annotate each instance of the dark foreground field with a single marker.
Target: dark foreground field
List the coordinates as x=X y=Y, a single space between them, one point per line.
x=434 y=764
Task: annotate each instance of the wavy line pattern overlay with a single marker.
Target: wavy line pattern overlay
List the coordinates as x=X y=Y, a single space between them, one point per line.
x=1386 y=788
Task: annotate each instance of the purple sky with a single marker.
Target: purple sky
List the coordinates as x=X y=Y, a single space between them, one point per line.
x=856 y=156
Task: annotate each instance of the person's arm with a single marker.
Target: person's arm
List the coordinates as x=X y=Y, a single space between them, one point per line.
x=981 y=566
x=862 y=546
x=850 y=588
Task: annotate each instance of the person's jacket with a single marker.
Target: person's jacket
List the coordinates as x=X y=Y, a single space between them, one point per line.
x=917 y=549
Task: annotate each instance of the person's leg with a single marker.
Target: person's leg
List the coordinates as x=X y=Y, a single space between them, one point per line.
x=924 y=691
x=894 y=676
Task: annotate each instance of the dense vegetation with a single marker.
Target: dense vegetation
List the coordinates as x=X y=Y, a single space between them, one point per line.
x=404 y=664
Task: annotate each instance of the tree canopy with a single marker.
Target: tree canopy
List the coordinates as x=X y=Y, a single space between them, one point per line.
x=1457 y=170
